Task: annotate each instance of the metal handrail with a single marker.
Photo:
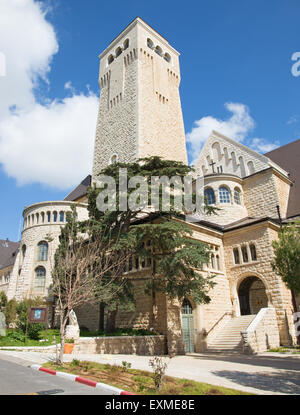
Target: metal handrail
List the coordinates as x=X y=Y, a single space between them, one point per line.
x=221 y=318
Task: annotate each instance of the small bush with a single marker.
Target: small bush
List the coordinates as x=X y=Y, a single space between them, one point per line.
x=75 y=362
x=10 y=311
x=3 y=301
x=34 y=330
x=16 y=335
x=159 y=367
x=125 y=366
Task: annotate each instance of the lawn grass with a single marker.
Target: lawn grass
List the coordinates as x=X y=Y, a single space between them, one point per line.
x=139 y=382
x=281 y=349
x=16 y=338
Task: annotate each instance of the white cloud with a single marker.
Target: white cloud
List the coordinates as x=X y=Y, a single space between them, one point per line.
x=49 y=143
x=237 y=126
x=292 y=120
x=262 y=146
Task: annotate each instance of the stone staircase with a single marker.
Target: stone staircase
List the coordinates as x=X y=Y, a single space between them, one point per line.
x=228 y=338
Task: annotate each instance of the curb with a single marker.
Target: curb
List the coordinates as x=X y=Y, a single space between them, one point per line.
x=111 y=390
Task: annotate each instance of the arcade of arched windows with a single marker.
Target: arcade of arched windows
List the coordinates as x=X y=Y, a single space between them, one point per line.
x=244 y=253
x=43 y=218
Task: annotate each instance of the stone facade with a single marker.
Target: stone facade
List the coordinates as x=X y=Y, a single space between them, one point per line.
x=261 y=235
x=139 y=116
x=41 y=220
x=140 y=345
x=140 y=112
x=262 y=335
x=5 y=274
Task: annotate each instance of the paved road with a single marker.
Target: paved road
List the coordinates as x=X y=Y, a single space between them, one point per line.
x=18 y=379
x=267 y=373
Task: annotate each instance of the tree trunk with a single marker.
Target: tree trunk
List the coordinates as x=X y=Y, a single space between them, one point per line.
x=101 y=316
x=111 y=321
x=63 y=321
x=62 y=344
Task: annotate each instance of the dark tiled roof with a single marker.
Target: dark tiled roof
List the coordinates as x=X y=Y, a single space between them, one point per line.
x=8 y=253
x=288 y=157
x=80 y=190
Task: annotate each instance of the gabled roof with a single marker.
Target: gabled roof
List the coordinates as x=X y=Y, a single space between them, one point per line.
x=8 y=252
x=80 y=190
x=288 y=157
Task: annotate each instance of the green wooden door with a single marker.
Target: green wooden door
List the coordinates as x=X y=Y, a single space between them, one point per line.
x=187 y=326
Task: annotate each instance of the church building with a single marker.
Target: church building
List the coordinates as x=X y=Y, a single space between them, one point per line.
x=140 y=115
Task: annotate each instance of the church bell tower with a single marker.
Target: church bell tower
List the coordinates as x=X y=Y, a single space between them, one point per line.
x=140 y=111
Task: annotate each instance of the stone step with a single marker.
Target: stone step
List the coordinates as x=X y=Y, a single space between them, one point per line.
x=229 y=339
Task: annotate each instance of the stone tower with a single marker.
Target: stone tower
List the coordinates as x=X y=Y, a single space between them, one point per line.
x=140 y=111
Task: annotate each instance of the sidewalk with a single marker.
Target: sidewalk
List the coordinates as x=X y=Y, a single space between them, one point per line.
x=267 y=373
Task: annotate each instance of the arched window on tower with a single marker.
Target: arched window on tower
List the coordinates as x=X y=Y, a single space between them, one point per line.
x=209 y=196
x=118 y=52
x=167 y=57
x=158 y=50
x=54 y=216
x=237 y=196
x=150 y=43
x=110 y=59
x=224 y=195
x=42 y=251
x=126 y=44
x=61 y=216
x=40 y=280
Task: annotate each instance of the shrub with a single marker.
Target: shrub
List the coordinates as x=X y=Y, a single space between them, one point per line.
x=3 y=301
x=159 y=367
x=125 y=366
x=16 y=335
x=10 y=311
x=34 y=330
x=75 y=362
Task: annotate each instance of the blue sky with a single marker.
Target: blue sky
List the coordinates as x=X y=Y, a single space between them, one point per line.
x=236 y=77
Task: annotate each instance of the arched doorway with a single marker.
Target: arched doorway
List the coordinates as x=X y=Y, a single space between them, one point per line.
x=252 y=296
x=187 y=326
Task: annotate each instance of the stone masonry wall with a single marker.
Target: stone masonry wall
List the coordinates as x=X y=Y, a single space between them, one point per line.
x=140 y=345
x=23 y=275
x=262 y=334
x=261 y=235
x=260 y=195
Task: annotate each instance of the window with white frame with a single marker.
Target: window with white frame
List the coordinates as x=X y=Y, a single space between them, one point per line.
x=224 y=194
x=42 y=251
x=40 y=279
